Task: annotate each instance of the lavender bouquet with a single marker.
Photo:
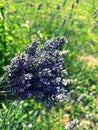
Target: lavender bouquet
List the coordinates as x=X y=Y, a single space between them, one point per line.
x=38 y=72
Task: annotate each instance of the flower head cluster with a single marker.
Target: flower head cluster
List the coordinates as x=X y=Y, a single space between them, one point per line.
x=39 y=72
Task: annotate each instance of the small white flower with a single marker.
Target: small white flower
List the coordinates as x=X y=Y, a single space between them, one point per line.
x=30 y=125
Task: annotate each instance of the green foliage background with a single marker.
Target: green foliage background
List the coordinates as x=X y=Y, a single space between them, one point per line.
x=21 y=22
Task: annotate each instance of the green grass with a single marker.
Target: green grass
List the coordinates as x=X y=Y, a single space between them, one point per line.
x=21 y=24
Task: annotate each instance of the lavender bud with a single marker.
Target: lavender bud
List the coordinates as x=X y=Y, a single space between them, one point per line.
x=77 y=1
x=64 y=2
x=58 y=7
x=73 y=5
x=39 y=6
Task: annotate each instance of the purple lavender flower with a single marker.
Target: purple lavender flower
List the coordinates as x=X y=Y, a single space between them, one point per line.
x=64 y=2
x=77 y=1
x=58 y=7
x=64 y=22
x=73 y=5
x=39 y=72
x=39 y=6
